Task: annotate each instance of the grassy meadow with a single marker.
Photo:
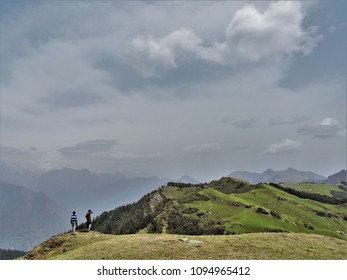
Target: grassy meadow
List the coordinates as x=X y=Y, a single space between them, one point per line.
x=255 y=246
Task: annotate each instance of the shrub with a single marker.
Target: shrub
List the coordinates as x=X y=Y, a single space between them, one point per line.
x=275 y=214
x=262 y=211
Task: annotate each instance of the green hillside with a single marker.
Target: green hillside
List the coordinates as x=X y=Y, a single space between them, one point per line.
x=224 y=219
x=255 y=246
x=227 y=207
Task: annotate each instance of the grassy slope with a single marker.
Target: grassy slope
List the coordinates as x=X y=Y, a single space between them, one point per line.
x=323 y=189
x=236 y=212
x=96 y=246
x=230 y=209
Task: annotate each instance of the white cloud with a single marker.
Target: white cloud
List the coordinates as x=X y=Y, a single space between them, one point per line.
x=278 y=31
x=251 y=36
x=164 y=50
x=327 y=128
x=285 y=146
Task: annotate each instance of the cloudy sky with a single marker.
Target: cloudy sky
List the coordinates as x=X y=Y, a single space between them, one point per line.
x=169 y=88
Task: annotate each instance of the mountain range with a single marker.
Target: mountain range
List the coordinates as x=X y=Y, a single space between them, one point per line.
x=80 y=190
x=207 y=221
x=289 y=175
x=27 y=217
x=68 y=190
x=59 y=192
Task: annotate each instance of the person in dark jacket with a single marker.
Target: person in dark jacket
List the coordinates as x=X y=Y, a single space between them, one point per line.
x=89 y=219
x=73 y=221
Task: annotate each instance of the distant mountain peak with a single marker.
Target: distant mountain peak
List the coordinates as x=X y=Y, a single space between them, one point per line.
x=187 y=179
x=269 y=170
x=291 y=169
x=337 y=177
x=289 y=175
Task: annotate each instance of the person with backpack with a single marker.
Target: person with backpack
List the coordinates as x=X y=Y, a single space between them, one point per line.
x=89 y=219
x=73 y=221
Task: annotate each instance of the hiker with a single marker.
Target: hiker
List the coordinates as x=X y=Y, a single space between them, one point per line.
x=73 y=221
x=89 y=219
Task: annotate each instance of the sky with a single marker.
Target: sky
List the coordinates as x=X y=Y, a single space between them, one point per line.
x=167 y=88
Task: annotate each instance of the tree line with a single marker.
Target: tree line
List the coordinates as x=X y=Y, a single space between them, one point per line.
x=128 y=219
x=10 y=254
x=336 y=200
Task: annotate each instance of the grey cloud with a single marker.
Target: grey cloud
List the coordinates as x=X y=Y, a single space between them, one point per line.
x=202 y=149
x=226 y=120
x=60 y=59
x=288 y=120
x=87 y=148
x=71 y=98
x=27 y=158
x=327 y=128
x=12 y=152
x=245 y=123
x=211 y=149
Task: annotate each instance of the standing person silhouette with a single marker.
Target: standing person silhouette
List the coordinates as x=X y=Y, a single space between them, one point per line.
x=89 y=219
x=73 y=221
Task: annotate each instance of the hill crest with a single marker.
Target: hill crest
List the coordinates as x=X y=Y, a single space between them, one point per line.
x=231 y=206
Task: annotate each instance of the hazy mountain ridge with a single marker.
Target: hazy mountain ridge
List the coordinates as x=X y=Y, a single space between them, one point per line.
x=81 y=190
x=27 y=217
x=289 y=175
x=187 y=179
x=68 y=190
x=77 y=190
x=337 y=177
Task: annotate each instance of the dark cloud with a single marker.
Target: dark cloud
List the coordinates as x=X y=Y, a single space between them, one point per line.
x=87 y=148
